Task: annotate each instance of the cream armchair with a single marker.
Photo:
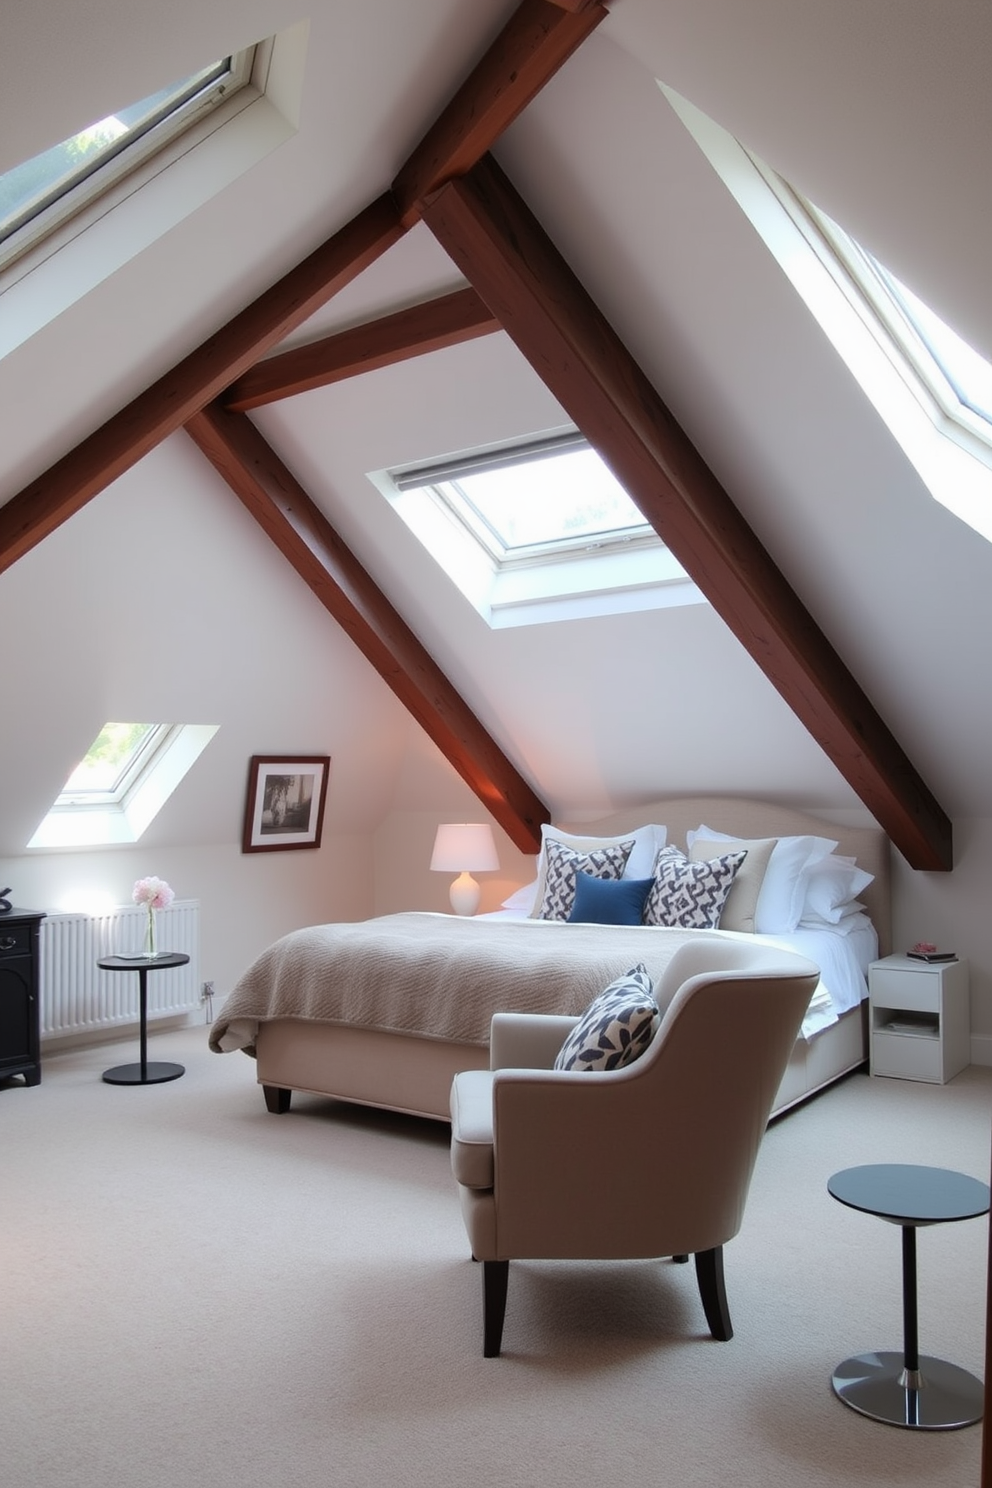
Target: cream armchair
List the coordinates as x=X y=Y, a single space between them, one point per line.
x=671 y=1139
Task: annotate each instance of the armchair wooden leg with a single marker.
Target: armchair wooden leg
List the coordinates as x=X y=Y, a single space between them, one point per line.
x=495 y=1276
x=681 y=1260
x=276 y=1099
x=709 y=1274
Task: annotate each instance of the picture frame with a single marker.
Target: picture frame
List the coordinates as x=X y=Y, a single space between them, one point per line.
x=284 y=806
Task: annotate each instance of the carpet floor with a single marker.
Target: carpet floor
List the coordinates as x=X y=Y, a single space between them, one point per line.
x=193 y=1291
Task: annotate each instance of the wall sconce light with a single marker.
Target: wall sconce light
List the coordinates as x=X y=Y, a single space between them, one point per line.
x=464 y=848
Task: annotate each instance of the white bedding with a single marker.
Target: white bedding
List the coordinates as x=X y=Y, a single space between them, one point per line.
x=843 y=961
x=843 y=957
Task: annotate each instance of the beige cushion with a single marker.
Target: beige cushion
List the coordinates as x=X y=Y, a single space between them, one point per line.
x=472 y=1128
x=742 y=901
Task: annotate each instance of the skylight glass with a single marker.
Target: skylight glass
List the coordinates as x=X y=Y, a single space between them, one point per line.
x=552 y=496
x=942 y=362
x=111 y=761
x=968 y=373
x=39 y=194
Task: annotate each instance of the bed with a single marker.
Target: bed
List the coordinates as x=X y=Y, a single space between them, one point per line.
x=385 y=1012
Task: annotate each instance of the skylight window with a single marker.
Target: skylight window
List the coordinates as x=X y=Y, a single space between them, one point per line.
x=947 y=368
x=112 y=763
x=538 y=531
x=37 y=196
x=968 y=375
x=552 y=497
x=931 y=390
x=122 y=782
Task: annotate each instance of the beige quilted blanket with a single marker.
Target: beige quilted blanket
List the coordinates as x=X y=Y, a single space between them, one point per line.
x=435 y=975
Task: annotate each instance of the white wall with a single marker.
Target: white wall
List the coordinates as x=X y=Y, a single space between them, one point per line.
x=953 y=910
x=245 y=901
x=162 y=601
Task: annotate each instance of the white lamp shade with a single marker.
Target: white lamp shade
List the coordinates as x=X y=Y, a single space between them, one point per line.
x=458 y=848
x=461 y=847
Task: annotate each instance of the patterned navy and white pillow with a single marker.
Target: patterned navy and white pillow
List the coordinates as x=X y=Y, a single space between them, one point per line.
x=615 y=1028
x=562 y=865
x=690 y=895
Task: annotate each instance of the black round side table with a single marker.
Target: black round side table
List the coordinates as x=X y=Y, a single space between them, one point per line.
x=155 y=1072
x=907 y=1389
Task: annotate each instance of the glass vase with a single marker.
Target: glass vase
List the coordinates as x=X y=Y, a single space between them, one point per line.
x=150 y=951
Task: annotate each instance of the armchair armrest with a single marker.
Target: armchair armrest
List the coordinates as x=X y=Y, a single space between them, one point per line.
x=527 y=1040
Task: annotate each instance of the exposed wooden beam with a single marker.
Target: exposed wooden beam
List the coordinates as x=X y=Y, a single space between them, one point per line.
x=538 y=38
x=501 y=248
x=164 y=407
x=437 y=323
x=304 y=536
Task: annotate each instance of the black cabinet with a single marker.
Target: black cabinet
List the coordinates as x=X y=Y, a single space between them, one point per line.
x=20 y=1021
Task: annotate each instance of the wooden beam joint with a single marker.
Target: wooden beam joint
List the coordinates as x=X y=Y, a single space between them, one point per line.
x=305 y=537
x=537 y=40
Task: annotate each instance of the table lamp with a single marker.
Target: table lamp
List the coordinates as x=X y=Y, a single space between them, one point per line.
x=464 y=847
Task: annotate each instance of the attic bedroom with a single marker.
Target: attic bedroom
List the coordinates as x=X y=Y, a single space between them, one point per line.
x=425 y=234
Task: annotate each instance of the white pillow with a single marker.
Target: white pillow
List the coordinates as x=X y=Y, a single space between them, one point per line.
x=783 y=889
x=853 y=918
x=648 y=842
x=523 y=898
x=832 y=886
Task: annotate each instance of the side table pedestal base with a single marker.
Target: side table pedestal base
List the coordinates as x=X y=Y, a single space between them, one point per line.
x=936 y=1397
x=155 y=1073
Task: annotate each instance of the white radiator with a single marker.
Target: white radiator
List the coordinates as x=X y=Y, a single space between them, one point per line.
x=77 y=997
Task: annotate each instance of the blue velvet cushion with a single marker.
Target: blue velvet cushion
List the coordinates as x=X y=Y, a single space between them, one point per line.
x=605 y=901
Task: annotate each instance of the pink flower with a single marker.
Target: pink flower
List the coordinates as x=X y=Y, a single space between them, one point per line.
x=154 y=892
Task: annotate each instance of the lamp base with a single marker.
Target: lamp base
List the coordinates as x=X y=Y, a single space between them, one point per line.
x=464 y=894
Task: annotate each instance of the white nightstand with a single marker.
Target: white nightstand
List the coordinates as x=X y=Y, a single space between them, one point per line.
x=919 y=1018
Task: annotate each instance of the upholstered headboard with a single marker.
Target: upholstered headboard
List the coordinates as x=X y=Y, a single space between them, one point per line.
x=749 y=818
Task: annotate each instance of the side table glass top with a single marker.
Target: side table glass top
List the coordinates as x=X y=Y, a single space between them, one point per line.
x=906 y=1194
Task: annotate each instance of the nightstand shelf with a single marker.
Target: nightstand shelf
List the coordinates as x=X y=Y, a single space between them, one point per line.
x=919 y=1018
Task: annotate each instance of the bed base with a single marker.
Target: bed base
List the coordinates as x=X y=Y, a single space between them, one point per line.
x=407 y=1073
x=396 y=1071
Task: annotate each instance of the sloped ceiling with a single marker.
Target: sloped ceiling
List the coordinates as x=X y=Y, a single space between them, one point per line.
x=597 y=713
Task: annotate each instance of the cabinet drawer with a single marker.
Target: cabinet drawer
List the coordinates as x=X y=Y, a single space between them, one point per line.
x=914 y=991
x=15 y=940
x=906 y=1057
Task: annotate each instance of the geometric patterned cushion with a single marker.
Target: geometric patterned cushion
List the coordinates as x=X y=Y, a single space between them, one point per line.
x=690 y=895
x=562 y=865
x=616 y=1027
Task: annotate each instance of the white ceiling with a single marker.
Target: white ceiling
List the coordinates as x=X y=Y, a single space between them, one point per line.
x=884 y=129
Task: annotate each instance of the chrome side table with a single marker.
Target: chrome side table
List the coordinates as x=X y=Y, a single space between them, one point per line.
x=908 y=1389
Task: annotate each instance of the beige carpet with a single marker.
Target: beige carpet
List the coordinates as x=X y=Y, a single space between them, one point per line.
x=195 y=1292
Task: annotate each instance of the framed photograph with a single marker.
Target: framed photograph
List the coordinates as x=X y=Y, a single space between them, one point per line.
x=285 y=804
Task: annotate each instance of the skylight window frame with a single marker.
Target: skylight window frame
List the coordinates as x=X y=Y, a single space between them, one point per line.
x=441 y=483
x=49 y=215
x=138 y=764
x=869 y=289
